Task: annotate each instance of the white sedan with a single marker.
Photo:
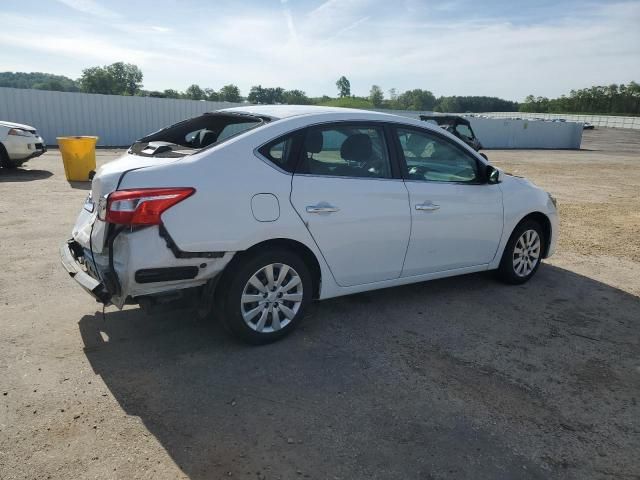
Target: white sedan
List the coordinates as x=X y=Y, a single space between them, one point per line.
x=254 y=211
x=19 y=143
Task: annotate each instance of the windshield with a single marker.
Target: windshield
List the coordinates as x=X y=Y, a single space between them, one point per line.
x=465 y=131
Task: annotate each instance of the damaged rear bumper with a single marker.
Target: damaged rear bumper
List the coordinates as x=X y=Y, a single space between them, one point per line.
x=69 y=257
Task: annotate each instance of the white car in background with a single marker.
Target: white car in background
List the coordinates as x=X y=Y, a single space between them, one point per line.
x=257 y=210
x=19 y=143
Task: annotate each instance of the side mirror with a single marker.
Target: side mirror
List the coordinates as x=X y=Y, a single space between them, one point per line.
x=493 y=175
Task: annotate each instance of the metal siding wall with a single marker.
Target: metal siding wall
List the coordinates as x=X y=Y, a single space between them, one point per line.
x=117 y=120
x=610 y=121
x=507 y=133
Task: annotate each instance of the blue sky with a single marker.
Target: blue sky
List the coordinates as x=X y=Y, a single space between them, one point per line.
x=451 y=47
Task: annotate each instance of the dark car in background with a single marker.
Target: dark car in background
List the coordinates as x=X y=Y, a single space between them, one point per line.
x=456 y=125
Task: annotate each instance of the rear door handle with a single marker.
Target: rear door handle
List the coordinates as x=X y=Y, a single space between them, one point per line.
x=427 y=207
x=322 y=208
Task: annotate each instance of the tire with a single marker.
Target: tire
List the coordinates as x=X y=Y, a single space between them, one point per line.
x=5 y=162
x=516 y=267
x=252 y=311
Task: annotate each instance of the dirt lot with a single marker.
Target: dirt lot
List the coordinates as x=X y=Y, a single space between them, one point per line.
x=459 y=378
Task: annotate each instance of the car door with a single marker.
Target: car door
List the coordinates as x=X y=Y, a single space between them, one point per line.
x=457 y=217
x=353 y=203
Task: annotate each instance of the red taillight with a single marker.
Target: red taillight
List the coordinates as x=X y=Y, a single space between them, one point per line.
x=143 y=206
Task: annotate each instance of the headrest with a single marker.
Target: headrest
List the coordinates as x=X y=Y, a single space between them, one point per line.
x=208 y=138
x=417 y=143
x=314 y=141
x=356 y=148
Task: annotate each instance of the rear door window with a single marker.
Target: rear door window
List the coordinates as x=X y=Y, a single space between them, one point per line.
x=345 y=150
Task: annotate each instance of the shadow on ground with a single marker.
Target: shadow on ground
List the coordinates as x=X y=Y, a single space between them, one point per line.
x=80 y=185
x=458 y=378
x=23 y=175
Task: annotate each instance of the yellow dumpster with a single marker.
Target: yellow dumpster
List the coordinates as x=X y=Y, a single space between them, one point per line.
x=78 y=157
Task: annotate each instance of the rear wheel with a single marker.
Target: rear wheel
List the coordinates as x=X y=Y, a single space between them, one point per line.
x=523 y=253
x=265 y=296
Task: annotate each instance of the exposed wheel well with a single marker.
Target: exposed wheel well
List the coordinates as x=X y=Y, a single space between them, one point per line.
x=301 y=249
x=543 y=220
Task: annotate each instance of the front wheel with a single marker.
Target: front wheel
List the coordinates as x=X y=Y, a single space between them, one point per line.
x=266 y=296
x=5 y=162
x=523 y=253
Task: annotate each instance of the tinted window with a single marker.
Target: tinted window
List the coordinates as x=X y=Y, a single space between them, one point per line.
x=345 y=150
x=279 y=152
x=431 y=158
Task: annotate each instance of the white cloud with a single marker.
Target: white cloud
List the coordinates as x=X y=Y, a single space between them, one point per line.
x=90 y=7
x=293 y=35
x=366 y=40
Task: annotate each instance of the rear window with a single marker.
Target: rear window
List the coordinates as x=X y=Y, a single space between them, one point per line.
x=194 y=134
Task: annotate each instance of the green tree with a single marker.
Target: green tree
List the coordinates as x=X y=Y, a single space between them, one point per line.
x=230 y=93
x=476 y=104
x=344 y=87
x=211 y=95
x=116 y=79
x=270 y=95
x=194 y=92
x=376 y=96
x=274 y=95
x=97 y=80
x=38 y=81
x=126 y=76
x=611 y=99
x=170 y=93
x=347 y=102
x=416 y=99
x=257 y=95
x=295 y=97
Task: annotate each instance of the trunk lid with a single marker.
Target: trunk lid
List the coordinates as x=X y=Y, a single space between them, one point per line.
x=89 y=230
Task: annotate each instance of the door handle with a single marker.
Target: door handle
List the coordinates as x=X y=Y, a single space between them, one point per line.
x=322 y=208
x=427 y=207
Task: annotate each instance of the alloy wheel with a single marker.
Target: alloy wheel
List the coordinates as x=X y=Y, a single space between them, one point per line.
x=271 y=298
x=526 y=253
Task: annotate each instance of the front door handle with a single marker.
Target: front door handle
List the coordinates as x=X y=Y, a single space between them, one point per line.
x=322 y=208
x=427 y=207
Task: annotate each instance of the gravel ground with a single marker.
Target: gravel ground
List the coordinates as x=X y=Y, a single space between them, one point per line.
x=457 y=378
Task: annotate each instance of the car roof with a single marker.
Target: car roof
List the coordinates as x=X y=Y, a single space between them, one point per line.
x=285 y=111
x=310 y=114
x=314 y=113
